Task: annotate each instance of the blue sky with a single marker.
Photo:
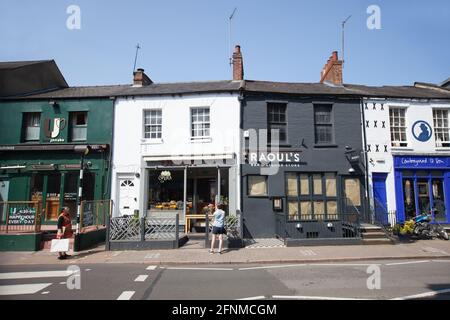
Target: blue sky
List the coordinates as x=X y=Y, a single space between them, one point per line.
x=187 y=40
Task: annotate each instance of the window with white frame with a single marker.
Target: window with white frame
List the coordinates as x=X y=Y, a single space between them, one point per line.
x=79 y=126
x=200 y=123
x=32 y=126
x=441 y=128
x=398 y=127
x=153 y=124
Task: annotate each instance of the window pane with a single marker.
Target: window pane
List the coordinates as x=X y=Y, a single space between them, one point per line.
x=352 y=191
x=305 y=210
x=293 y=210
x=153 y=124
x=330 y=184
x=331 y=207
x=257 y=185
x=292 y=184
x=304 y=184
x=317 y=179
x=319 y=208
x=79 y=134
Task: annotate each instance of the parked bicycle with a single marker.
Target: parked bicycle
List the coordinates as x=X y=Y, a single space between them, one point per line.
x=423 y=227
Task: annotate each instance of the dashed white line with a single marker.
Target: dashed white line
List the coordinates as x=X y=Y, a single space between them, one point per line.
x=272 y=267
x=126 y=295
x=45 y=292
x=141 y=278
x=423 y=295
x=407 y=262
x=151 y=267
x=209 y=269
x=18 y=289
x=253 y=298
x=314 y=298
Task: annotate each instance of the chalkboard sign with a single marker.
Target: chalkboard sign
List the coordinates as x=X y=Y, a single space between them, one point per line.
x=21 y=216
x=88 y=215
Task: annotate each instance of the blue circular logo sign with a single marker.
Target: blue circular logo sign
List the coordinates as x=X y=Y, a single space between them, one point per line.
x=422 y=131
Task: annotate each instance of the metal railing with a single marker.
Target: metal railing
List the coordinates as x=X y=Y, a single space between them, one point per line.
x=233 y=224
x=94 y=213
x=132 y=228
x=20 y=216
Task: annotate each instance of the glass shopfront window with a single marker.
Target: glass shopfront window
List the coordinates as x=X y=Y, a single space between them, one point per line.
x=311 y=196
x=409 y=197
x=52 y=196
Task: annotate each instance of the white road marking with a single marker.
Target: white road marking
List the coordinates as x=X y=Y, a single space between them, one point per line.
x=126 y=295
x=343 y=264
x=441 y=261
x=62 y=282
x=423 y=295
x=35 y=274
x=141 y=278
x=18 y=289
x=254 y=298
x=209 y=269
x=314 y=298
x=272 y=267
x=45 y=292
x=151 y=267
x=87 y=269
x=407 y=262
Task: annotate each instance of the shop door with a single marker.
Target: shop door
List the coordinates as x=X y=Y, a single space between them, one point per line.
x=379 y=197
x=126 y=196
x=423 y=195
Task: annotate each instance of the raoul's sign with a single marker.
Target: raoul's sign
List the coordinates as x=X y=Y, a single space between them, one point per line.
x=53 y=129
x=288 y=159
x=21 y=216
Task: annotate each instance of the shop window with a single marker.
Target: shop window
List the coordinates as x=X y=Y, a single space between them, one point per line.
x=257 y=186
x=37 y=184
x=200 y=123
x=438 y=200
x=53 y=196
x=317 y=197
x=409 y=198
x=441 y=128
x=277 y=120
x=71 y=192
x=353 y=191
x=31 y=126
x=398 y=127
x=323 y=124
x=78 y=126
x=153 y=124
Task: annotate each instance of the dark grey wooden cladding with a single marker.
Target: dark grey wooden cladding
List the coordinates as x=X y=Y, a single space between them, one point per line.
x=260 y=220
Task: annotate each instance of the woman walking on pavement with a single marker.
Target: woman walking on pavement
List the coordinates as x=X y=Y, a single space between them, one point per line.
x=218 y=228
x=64 y=229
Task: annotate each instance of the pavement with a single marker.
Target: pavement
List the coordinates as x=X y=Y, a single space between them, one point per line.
x=422 y=249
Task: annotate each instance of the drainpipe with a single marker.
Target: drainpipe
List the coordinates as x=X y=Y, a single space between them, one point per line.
x=109 y=176
x=366 y=161
x=241 y=99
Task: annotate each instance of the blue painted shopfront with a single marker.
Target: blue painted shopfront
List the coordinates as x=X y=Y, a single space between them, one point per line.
x=422 y=183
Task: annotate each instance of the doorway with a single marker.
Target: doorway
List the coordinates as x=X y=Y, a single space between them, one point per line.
x=127 y=196
x=379 y=197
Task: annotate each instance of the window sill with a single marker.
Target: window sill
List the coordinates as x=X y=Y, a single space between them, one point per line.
x=401 y=149
x=443 y=149
x=331 y=145
x=152 y=141
x=201 y=140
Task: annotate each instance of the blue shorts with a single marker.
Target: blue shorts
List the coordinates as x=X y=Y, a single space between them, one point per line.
x=218 y=230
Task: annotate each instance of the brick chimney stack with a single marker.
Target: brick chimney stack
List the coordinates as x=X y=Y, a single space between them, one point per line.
x=140 y=78
x=238 y=64
x=332 y=71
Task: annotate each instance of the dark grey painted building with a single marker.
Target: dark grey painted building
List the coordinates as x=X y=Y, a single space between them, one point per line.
x=317 y=188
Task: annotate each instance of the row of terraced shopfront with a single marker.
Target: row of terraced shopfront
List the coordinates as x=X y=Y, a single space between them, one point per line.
x=303 y=162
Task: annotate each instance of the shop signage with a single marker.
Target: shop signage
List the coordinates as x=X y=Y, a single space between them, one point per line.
x=422 y=131
x=418 y=162
x=52 y=129
x=88 y=215
x=21 y=216
x=280 y=158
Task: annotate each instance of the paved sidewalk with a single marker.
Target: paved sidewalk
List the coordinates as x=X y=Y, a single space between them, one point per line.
x=430 y=249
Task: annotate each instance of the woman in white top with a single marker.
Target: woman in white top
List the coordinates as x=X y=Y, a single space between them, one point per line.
x=218 y=228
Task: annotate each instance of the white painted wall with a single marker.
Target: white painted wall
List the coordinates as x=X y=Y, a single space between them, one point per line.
x=381 y=161
x=130 y=147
